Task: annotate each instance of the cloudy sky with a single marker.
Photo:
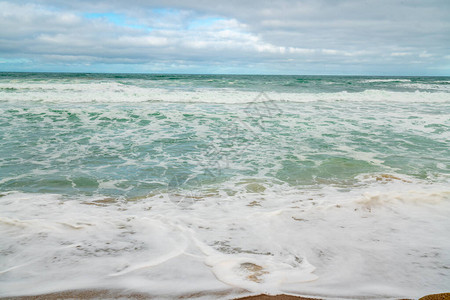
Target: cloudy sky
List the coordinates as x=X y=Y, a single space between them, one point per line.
x=373 y=37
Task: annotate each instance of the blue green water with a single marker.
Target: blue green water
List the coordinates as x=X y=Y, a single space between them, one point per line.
x=128 y=149
x=221 y=186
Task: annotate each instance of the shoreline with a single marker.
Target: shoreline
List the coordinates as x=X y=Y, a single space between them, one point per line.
x=112 y=294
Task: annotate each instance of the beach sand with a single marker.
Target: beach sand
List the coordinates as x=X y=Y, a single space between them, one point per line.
x=108 y=294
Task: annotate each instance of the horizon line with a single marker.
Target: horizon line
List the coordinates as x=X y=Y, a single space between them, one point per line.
x=220 y=74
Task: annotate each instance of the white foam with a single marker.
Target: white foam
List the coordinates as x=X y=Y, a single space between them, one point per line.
x=386 y=80
x=382 y=239
x=259 y=275
x=115 y=92
x=427 y=86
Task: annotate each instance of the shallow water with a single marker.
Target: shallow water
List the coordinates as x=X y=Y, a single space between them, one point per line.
x=173 y=184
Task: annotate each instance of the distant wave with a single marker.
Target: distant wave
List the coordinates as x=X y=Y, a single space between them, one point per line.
x=385 y=80
x=112 y=92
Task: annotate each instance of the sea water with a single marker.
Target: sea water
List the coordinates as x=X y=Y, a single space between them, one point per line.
x=171 y=185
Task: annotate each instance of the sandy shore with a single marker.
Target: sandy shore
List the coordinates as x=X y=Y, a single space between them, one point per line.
x=107 y=294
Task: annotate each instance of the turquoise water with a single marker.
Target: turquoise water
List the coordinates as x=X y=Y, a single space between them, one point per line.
x=174 y=184
x=129 y=149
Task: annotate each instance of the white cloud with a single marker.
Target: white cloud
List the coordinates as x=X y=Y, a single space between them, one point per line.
x=400 y=53
x=288 y=35
x=425 y=54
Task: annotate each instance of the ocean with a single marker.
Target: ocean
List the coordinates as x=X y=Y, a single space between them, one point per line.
x=225 y=185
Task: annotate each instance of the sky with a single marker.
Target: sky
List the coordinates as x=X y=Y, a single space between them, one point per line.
x=305 y=37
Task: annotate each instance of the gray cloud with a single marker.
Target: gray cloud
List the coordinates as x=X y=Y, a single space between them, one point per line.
x=373 y=37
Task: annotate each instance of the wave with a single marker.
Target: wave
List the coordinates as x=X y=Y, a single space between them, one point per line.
x=269 y=241
x=385 y=80
x=427 y=86
x=114 y=92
